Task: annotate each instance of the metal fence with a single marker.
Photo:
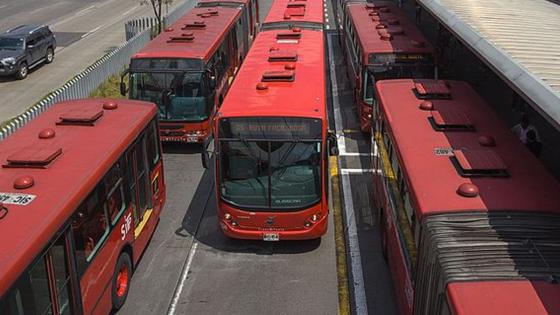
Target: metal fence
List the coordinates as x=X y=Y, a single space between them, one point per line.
x=87 y=81
x=133 y=27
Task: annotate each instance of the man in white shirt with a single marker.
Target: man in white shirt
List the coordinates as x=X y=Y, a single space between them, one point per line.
x=521 y=129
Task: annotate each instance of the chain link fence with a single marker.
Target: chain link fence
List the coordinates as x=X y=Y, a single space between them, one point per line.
x=137 y=35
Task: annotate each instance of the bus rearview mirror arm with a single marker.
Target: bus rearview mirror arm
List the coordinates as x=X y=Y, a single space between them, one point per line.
x=207 y=151
x=122 y=85
x=331 y=143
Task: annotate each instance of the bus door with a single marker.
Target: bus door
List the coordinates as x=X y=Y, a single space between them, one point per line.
x=139 y=184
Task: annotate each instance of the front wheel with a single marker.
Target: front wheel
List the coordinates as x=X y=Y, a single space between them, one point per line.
x=22 y=71
x=121 y=280
x=49 y=57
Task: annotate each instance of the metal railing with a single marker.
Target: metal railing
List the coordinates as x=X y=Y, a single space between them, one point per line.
x=88 y=80
x=133 y=27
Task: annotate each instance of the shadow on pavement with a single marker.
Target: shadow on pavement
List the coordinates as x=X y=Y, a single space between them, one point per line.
x=181 y=148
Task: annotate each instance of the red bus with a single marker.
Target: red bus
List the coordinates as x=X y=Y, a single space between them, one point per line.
x=81 y=191
x=271 y=138
x=187 y=70
x=249 y=16
x=380 y=43
x=469 y=218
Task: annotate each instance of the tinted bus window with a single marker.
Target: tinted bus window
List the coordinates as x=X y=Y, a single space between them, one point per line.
x=90 y=229
x=62 y=276
x=153 y=146
x=39 y=283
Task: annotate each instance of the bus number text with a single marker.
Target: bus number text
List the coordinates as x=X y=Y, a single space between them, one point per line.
x=126 y=225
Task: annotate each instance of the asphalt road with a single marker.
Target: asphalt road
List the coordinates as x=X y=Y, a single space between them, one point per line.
x=86 y=30
x=191 y=268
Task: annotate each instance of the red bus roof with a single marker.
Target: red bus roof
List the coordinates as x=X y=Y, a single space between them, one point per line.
x=298 y=10
x=217 y=21
x=432 y=176
x=217 y=2
x=504 y=298
x=87 y=153
x=299 y=98
x=373 y=23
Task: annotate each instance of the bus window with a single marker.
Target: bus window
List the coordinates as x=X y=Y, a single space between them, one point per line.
x=115 y=203
x=152 y=145
x=12 y=303
x=90 y=228
x=368 y=89
x=61 y=276
x=142 y=180
x=39 y=283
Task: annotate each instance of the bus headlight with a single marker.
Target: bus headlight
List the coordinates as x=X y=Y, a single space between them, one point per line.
x=227 y=217
x=314 y=218
x=307 y=224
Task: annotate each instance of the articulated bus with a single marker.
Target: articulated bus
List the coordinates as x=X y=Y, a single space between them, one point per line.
x=249 y=17
x=187 y=70
x=81 y=191
x=380 y=43
x=469 y=218
x=271 y=148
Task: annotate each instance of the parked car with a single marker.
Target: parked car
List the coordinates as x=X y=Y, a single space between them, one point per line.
x=25 y=47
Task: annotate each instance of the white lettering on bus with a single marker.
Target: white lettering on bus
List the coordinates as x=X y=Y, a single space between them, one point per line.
x=126 y=225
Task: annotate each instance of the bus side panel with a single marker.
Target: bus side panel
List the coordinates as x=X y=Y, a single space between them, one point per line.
x=97 y=280
x=395 y=257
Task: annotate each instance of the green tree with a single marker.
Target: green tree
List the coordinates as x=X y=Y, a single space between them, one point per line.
x=156 y=6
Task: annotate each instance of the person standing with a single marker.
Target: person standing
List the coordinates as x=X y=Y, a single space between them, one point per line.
x=520 y=130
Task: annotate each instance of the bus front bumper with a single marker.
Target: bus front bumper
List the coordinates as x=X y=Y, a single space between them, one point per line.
x=315 y=231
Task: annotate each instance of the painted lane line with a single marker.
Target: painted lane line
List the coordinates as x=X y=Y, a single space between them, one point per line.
x=184 y=275
x=3 y=6
x=354 y=246
x=81 y=12
x=91 y=32
x=128 y=12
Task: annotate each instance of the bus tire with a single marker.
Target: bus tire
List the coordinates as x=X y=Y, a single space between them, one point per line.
x=121 y=280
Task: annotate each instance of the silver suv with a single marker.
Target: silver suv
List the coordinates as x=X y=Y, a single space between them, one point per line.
x=24 y=48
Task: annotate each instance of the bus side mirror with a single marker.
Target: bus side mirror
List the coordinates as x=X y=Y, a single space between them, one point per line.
x=207 y=151
x=122 y=85
x=331 y=143
x=123 y=88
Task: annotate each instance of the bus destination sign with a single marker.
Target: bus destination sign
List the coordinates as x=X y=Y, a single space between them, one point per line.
x=270 y=128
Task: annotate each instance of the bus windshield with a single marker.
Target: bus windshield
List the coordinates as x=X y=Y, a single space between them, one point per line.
x=180 y=96
x=269 y=172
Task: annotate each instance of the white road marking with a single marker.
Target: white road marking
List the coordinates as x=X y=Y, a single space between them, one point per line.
x=128 y=12
x=3 y=6
x=184 y=275
x=81 y=12
x=91 y=32
x=354 y=246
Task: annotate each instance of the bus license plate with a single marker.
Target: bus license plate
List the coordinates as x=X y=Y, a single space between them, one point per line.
x=271 y=237
x=192 y=139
